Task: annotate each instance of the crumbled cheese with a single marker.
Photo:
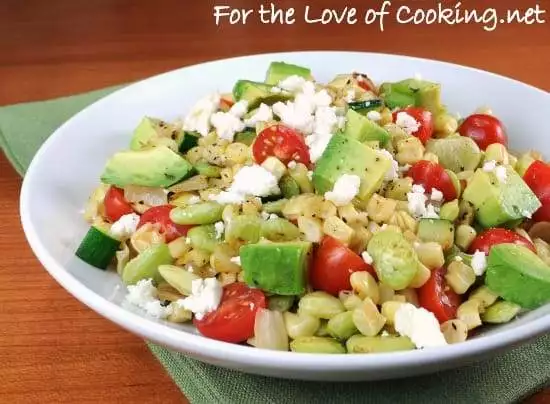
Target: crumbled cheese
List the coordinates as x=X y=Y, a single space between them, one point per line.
x=407 y=123
x=272 y=216
x=193 y=200
x=436 y=195
x=374 y=116
x=431 y=212
x=276 y=90
x=345 y=189
x=350 y=96
x=292 y=83
x=125 y=226
x=239 y=109
x=367 y=258
x=393 y=172
x=236 y=260
x=265 y=215
x=417 y=201
x=489 y=166
x=252 y=180
x=479 y=262
x=325 y=122
x=198 y=119
x=263 y=114
x=294 y=115
x=420 y=325
x=219 y=227
x=144 y=295
x=501 y=174
x=292 y=164
x=205 y=297
x=418 y=188
x=226 y=125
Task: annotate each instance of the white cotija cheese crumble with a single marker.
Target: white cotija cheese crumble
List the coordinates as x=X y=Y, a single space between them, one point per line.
x=436 y=195
x=263 y=114
x=220 y=229
x=479 y=262
x=252 y=180
x=393 y=172
x=420 y=325
x=345 y=189
x=374 y=116
x=229 y=123
x=125 y=226
x=407 y=123
x=498 y=170
x=367 y=258
x=292 y=83
x=144 y=295
x=198 y=120
x=205 y=297
x=489 y=166
x=417 y=200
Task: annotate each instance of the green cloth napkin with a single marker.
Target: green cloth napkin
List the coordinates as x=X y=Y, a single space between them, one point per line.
x=504 y=379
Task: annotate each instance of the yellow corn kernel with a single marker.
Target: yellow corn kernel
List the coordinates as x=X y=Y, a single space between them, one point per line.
x=194 y=155
x=197 y=258
x=410 y=296
x=422 y=276
x=460 y=277
x=365 y=285
x=368 y=319
x=454 y=331
x=237 y=153
x=389 y=309
x=409 y=150
x=179 y=247
x=464 y=235
x=445 y=124
x=386 y=293
x=350 y=300
x=227 y=278
x=337 y=229
x=403 y=220
x=360 y=239
x=311 y=228
x=469 y=312
x=431 y=157
x=430 y=254
x=380 y=209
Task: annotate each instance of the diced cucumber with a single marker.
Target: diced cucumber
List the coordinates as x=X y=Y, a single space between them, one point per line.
x=190 y=140
x=279 y=229
x=146 y=264
x=208 y=170
x=289 y=186
x=275 y=206
x=359 y=344
x=280 y=303
x=245 y=228
x=322 y=345
x=97 y=248
x=341 y=326
x=365 y=106
x=437 y=230
x=500 y=312
x=247 y=137
x=450 y=211
x=204 y=237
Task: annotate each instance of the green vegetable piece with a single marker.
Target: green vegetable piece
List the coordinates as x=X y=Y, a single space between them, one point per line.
x=518 y=275
x=255 y=93
x=341 y=326
x=155 y=167
x=322 y=330
x=399 y=188
x=200 y=213
x=317 y=345
x=359 y=344
x=278 y=71
x=278 y=229
x=204 y=238
x=275 y=206
x=155 y=132
x=412 y=92
x=437 y=230
x=321 y=305
x=500 y=312
x=179 y=278
x=456 y=182
x=97 y=248
x=245 y=228
x=289 y=186
x=280 y=303
x=395 y=260
x=146 y=264
x=456 y=153
x=363 y=129
x=208 y=170
x=247 y=137
x=190 y=140
x=449 y=211
x=279 y=268
x=365 y=106
x=498 y=201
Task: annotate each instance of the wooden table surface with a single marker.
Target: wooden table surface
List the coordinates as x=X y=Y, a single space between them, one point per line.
x=52 y=348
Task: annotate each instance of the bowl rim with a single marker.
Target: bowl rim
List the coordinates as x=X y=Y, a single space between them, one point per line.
x=204 y=347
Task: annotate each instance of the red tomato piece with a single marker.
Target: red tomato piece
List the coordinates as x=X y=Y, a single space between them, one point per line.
x=424 y=118
x=436 y=296
x=432 y=175
x=333 y=264
x=365 y=82
x=115 y=204
x=484 y=130
x=233 y=320
x=161 y=215
x=490 y=237
x=226 y=104
x=537 y=177
x=282 y=142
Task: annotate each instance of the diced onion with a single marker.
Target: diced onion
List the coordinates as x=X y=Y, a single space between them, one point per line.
x=146 y=195
x=270 y=331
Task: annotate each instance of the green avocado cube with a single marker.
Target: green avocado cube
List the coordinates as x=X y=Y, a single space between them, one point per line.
x=345 y=155
x=256 y=93
x=363 y=129
x=499 y=201
x=152 y=132
x=279 y=268
x=413 y=92
x=278 y=71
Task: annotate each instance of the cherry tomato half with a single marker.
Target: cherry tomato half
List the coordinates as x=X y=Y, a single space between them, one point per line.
x=424 y=118
x=233 y=320
x=365 y=82
x=490 y=237
x=282 y=142
x=333 y=264
x=537 y=177
x=116 y=205
x=484 y=130
x=432 y=175
x=436 y=296
x=161 y=215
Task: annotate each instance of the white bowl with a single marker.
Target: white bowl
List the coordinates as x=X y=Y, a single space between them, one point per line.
x=68 y=166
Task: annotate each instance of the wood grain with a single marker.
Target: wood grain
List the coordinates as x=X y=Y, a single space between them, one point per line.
x=52 y=348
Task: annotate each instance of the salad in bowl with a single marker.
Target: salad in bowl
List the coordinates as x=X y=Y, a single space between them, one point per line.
x=345 y=217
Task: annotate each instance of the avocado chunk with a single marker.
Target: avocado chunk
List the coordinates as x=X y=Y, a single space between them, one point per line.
x=395 y=260
x=518 y=275
x=363 y=129
x=155 y=132
x=438 y=231
x=278 y=71
x=146 y=264
x=155 y=167
x=413 y=92
x=255 y=93
x=497 y=202
x=456 y=153
x=345 y=155
x=279 y=268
